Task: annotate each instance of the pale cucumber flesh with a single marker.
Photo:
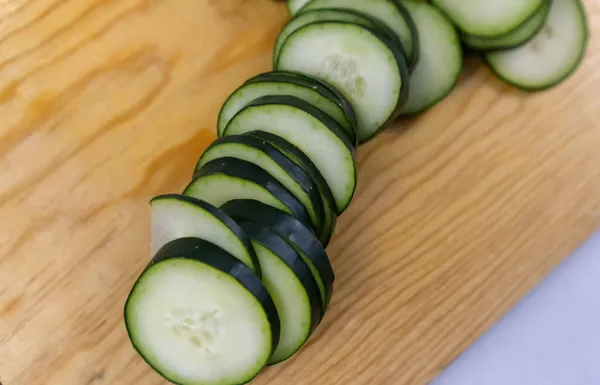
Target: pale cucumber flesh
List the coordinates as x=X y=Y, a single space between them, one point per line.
x=551 y=55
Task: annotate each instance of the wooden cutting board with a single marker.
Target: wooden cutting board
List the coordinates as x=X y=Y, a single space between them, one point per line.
x=106 y=103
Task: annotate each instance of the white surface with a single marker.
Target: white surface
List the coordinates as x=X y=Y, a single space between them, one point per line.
x=551 y=338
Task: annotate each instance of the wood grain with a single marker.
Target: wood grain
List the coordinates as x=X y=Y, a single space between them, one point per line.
x=106 y=103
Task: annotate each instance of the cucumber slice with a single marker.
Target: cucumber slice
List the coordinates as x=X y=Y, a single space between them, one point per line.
x=362 y=63
x=225 y=179
x=488 y=18
x=440 y=58
x=178 y=216
x=291 y=285
x=553 y=54
x=309 y=129
x=390 y=13
x=320 y=14
x=295 y=233
x=295 y=155
x=294 y=6
x=199 y=316
x=513 y=39
x=310 y=90
x=269 y=158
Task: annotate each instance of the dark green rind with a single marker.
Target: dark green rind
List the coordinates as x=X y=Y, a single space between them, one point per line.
x=292 y=259
x=413 y=60
x=404 y=76
x=204 y=252
x=292 y=169
x=298 y=157
x=453 y=86
x=561 y=79
x=494 y=43
x=290 y=229
x=224 y=218
x=241 y=169
x=272 y=241
x=326 y=90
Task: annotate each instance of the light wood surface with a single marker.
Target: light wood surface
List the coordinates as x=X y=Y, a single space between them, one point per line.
x=106 y=103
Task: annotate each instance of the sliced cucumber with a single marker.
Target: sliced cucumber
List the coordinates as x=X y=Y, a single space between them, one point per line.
x=513 y=39
x=295 y=155
x=315 y=133
x=239 y=277
x=199 y=316
x=488 y=17
x=310 y=90
x=362 y=63
x=225 y=179
x=319 y=14
x=178 y=216
x=279 y=166
x=553 y=54
x=294 y=6
x=291 y=285
x=390 y=13
x=295 y=233
x=440 y=58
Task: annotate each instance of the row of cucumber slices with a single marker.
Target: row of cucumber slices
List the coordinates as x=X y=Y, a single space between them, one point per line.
x=239 y=276
x=531 y=44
